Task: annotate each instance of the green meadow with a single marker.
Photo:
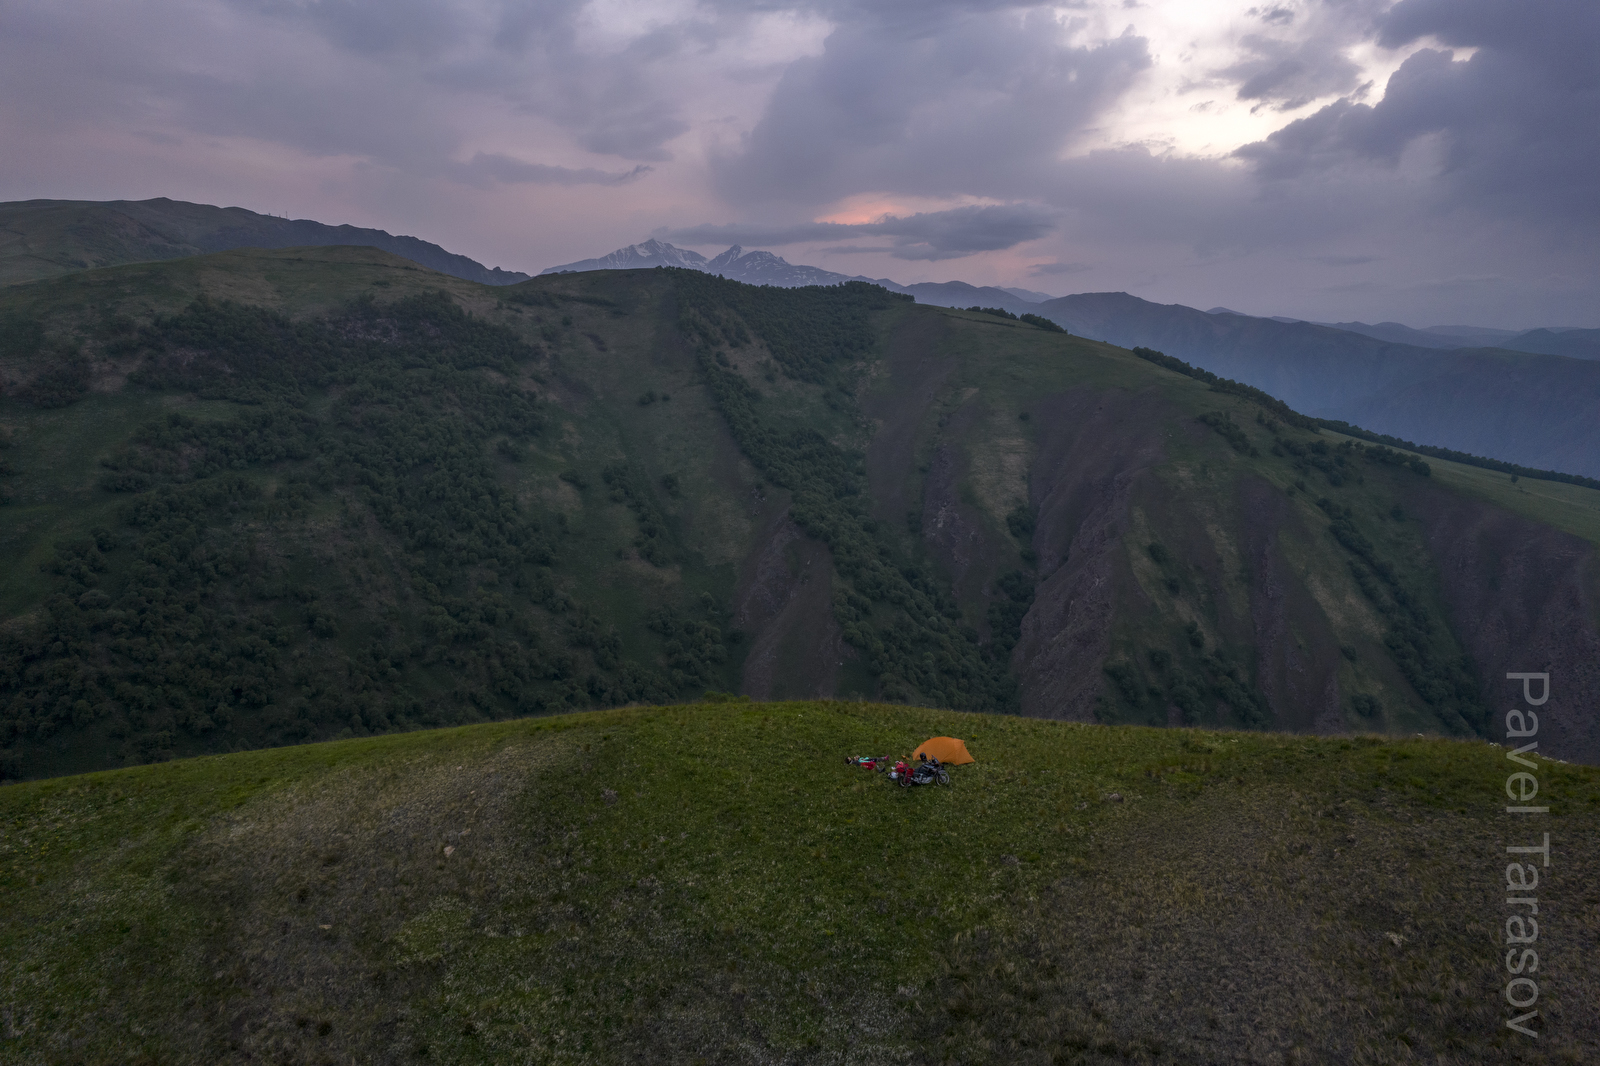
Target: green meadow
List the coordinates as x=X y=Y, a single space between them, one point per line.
x=712 y=883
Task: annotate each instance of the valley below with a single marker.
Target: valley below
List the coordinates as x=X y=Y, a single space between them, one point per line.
x=395 y=667
x=268 y=497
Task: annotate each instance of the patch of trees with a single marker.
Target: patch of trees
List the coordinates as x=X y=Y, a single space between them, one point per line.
x=1230 y=431
x=695 y=642
x=1337 y=462
x=889 y=607
x=1194 y=679
x=654 y=539
x=1419 y=643
x=1276 y=406
x=1194 y=682
x=64 y=372
x=810 y=330
x=1386 y=457
x=63 y=381
x=1006 y=612
x=1465 y=458
x=338 y=555
x=1043 y=323
x=1030 y=319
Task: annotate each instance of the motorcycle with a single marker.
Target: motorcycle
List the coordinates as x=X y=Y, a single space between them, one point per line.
x=930 y=772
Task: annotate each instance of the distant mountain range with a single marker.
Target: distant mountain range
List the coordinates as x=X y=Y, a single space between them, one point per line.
x=1533 y=398
x=1550 y=340
x=1534 y=409
x=43 y=238
x=764 y=268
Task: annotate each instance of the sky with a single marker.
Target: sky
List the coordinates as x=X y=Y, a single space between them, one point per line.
x=1424 y=161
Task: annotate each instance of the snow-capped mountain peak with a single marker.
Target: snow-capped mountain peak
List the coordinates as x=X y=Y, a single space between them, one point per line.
x=718 y=264
x=651 y=253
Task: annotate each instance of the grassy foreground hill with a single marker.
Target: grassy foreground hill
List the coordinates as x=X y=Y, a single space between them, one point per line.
x=259 y=498
x=711 y=883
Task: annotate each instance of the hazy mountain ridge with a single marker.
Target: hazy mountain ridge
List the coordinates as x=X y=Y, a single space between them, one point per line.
x=736 y=264
x=1028 y=294
x=1536 y=410
x=42 y=238
x=765 y=268
x=1469 y=402
x=1573 y=341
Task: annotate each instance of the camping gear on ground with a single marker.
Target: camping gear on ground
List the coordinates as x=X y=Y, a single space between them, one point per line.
x=947 y=750
x=868 y=762
x=927 y=772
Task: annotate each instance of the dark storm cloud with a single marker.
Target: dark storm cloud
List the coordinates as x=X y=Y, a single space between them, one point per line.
x=1489 y=134
x=527 y=55
x=390 y=84
x=613 y=104
x=948 y=234
x=1300 y=56
x=1516 y=127
x=932 y=102
x=1289 y=75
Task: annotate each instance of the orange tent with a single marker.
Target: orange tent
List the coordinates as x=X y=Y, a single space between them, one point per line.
x=947 y=750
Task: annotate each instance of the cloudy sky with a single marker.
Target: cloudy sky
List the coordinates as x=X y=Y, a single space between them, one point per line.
x=1429 y=161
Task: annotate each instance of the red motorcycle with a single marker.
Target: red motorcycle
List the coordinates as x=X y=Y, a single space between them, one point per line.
x=928 y=772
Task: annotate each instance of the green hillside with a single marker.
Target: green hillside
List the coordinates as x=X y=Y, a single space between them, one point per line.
x=711 y=883
x=51 y=238
x=258 y=498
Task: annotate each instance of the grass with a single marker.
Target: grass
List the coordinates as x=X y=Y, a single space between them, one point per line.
x=1572 y=509
x=712 y=883
x=299 y=281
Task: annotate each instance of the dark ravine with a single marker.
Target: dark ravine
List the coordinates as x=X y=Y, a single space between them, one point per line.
x=1524 y=598
x=1297 y=655
x=784 y=604
x=1093 y=448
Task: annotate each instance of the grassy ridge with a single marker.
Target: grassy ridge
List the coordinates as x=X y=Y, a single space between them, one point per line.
x=712 y=882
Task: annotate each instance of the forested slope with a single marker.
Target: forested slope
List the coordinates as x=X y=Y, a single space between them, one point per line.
x=256 y=498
